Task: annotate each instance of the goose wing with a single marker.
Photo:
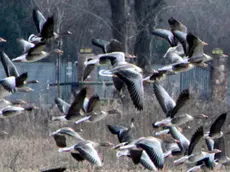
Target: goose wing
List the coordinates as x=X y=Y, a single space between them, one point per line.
x=133 y=81
x=93 y=104
x=89 y=153
x=195 y=139
x=77 y=156
x=115 y=129
x=25 y=44
x=39 y=20
x=9 y=67
x=48 y=28
x=166 y=34
x=166 y=102
x=114 y=58
x=176 y=25
x=195 y=48
x=154 y=151
x=87 y=70
x=77 y=104
x=9 y=84
x=101 y=44
x=182 y=38
x=21 y=79
x=181 y=101
x=60 y=140
x=217 y=125
x=62 y=105
x=135 y=155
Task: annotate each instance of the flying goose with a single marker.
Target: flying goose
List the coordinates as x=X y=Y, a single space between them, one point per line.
x=63 y=106
x=11 y=111
x=199 y=133
x=36 y=53
x=67 y=131
x=131 y=75
x=109 y=47
x=11 y=70
x=172 y=108
x=74 y=109
x=87 y=150
x=114 y=58
x=123 y=133
x=153 y=148
x=8 y=85
x=45 y=27
x=138 y=156
x=168 y=34
x=4 y=103
x=195 y=157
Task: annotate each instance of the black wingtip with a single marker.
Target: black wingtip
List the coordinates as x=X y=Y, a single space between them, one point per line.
x=172 y=21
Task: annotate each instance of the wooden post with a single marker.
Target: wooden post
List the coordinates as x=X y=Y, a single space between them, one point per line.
x=219 y=76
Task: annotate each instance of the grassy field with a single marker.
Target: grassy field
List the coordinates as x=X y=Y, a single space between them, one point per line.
x=27 y=146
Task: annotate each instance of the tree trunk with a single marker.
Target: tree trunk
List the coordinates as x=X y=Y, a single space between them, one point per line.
x=118 y=17
x=145 y=13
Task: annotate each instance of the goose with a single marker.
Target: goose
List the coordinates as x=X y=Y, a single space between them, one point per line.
x=171 y=108
x=74 y=109
x=138 y=156
x=168 y=34
x=195 y=157
x=193 y=142
x=131 y=75
x=45 y=28
x=11 y=70
x=215 y=131
x=63 y=106
x=109 y=47
x=11 y=111
x=4 y=103
x=123 y=133
x=94 y=112
x=8 y=85
x=67 y=131
x=36 y=53
x=203 y=165
x=114 y=58
x=87 y=150
x=153 y=148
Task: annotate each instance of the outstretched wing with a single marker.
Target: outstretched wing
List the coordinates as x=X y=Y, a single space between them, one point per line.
x=9 y=67
x=217 y=125
x=39 y=20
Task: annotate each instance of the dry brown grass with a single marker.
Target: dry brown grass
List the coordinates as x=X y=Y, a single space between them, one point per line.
x=28 y=146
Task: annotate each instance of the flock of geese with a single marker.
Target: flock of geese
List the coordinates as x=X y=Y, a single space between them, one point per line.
x=185 y=53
